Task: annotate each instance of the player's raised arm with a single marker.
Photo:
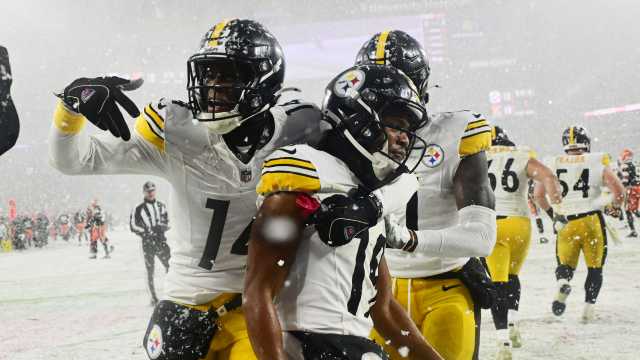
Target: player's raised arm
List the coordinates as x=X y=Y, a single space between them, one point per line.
x=537 y=171
x=275 y=235
x=9 y=121
x=73 y=151
x=393 y=322
x=475 y=233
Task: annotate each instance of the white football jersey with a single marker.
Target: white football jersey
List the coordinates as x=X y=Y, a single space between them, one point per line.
x=508 y=179
x=214 y=197
x=328 y=289
x=581 y=180
x=449 y=137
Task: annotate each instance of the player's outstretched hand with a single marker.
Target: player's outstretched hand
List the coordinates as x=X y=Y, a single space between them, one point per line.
x=98 y=99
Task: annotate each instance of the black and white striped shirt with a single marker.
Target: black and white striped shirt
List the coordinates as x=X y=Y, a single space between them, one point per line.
x=149 y=218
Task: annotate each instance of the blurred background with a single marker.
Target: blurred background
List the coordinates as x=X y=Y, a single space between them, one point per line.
x=532 y=66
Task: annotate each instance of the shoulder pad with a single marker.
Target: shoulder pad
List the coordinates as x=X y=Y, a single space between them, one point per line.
x=289 y=169
x=302 y=124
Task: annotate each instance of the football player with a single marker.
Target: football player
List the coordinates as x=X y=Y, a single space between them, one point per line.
x=9 y=121
x=210 y=150
x=330 y=289
x=581 y=174
x=451 y=216
x=631 y=182
x=510 y=169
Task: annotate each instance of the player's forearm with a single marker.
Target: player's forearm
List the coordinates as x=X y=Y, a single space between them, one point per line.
x=393 y=323
x=539 y=197
x=263 y=325
x=68 y=145
x=474 y=235
x=613 y=183
x=549 y=181
x=74 y=152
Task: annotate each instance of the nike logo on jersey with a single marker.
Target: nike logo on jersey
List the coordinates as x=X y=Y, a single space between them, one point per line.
x=291 y=152
x=447 y=288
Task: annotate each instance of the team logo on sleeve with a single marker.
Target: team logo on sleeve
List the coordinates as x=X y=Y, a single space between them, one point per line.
x=154 y=342
x=434 y=155
x=349 y=82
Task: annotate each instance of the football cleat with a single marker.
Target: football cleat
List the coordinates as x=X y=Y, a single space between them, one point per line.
x=559 y=305
x=543 y=240
x=588 y=314
x=504 y=350
x=633 y=234
x=514 y=336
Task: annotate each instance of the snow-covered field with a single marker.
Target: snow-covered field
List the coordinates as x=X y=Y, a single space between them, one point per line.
x=55 y=303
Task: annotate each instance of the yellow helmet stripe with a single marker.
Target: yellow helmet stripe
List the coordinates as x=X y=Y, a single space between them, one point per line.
x=382 y=41
x=217 y=30
x=572 y=139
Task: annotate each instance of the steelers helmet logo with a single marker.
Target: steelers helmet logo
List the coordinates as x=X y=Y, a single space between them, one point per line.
x=348 y=83
x=433 y=156
x=154 y=342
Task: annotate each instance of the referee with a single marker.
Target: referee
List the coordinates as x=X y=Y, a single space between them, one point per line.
x=150 y=221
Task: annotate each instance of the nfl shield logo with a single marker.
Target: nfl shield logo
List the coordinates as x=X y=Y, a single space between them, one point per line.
x=245 y=175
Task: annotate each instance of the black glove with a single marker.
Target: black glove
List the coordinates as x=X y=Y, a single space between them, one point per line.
x=5 y=74
x=9 y=120
x=96 y=99
x=341 y=218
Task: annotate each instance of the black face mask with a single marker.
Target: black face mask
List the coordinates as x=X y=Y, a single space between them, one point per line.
x=250 y=136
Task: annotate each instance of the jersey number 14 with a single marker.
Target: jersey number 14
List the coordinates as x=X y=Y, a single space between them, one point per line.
x=214 y=238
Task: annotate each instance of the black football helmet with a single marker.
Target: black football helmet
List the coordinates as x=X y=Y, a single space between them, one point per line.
x=249 y=62
x=400 y=50
x=499 y=137
x=576 y=138
x=359 y=104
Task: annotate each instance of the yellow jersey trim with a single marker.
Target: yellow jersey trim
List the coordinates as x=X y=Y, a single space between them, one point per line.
x=480 y=123
x=475 y=143
x=67 y=121
x=154 y=116
x=276 y=181
x=289 y=161
x=146 y=132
